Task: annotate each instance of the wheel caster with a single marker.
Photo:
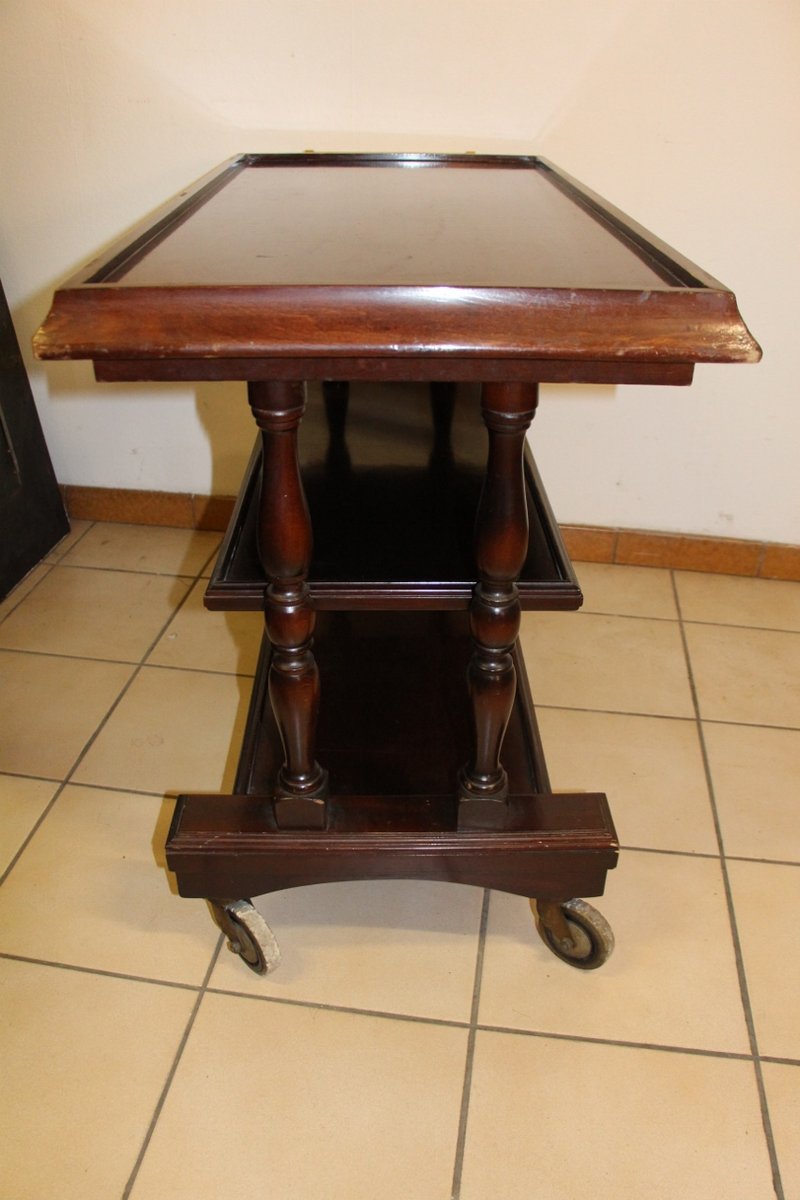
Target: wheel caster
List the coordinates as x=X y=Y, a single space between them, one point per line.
x=575 y=932
x=248 y=934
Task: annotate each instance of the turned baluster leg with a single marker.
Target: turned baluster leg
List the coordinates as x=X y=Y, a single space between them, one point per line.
x=284 y=543
x=501 y=544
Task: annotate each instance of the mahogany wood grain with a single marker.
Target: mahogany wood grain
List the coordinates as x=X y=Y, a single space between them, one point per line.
x=501 y=546
x=273 y=322
x=284 y=544
x=451 y=271
x=221 y=845
x=428 y=368
x=392 y=811
x=364 y=256
x=395 y=716
x=393 y=492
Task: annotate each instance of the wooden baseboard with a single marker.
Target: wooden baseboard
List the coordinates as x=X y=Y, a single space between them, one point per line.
x=683 y=552
x=181 y=510
x=585 y=543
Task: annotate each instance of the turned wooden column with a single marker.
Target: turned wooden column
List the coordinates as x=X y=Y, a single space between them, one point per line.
x=501 y=544
x=284 y=544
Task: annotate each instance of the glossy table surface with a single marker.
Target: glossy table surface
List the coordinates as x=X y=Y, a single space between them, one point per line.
x=403 y=257
x=340 y=225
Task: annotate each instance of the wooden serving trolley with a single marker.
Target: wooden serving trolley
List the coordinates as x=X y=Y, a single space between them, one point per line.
x=392 y=316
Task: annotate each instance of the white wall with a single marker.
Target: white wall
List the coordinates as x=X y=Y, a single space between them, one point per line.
x=685 y=113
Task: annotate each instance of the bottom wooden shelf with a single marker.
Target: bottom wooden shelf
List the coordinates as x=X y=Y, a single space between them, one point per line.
x=395 y=727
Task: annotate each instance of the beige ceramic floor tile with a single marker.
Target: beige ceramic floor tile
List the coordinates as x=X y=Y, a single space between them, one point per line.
x=315 y=1103
x=748 y=675
x=782 y=1085
x=50 y=707
x=84 y=1061
x=398 y=946
x=621 y=664
x=730 y=600
x=210 y=641
x=93 y=614
x=671 y=981
x=555 y=1119
x=755 y=773
x=23 y=588
x=88 y=891
x=766 y=898
x=22 y=802
x=144 y=548
x=173 y=731
x=651 y=769
x=627 y=591
x=77 y=530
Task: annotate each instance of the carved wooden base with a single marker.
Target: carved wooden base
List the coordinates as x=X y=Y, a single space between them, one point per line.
x=393 y=811
x=555 y=846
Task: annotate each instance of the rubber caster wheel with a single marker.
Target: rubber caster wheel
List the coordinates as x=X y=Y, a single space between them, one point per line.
x=577 y=933
x=248 y=935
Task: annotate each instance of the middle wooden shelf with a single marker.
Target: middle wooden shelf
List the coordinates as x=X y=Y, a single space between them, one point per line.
x=393 y=476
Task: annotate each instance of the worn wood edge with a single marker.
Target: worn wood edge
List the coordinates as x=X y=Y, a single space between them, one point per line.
x=682 y=325
x=192 y=832
x=584 y=543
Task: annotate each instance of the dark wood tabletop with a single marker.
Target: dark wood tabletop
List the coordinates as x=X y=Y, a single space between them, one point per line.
x=432 y=259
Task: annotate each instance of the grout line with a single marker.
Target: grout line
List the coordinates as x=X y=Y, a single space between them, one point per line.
x=94 y=736
x=461 y=1139
x=32 y=832
x=749 y=724
x=347 y=1010
x=477 y=1027
x=783 y=1062
x=49 y=563
x=105 y=787
x=77 y=566
x=213 y=555
x=673 y=853
x=26 y=775
x=618 y=1043
x=90 y=524
x=173 y=795
x=587 y=611
x=745 y=628
x=131 y=662
x=154 y=666
x=765 y=862
x=621 y=712
x=407 y=1018
x=737 y=946
x=171 y=1073
x=116 y=662
x=613 y=712
x=123 y=975
x=29 y=592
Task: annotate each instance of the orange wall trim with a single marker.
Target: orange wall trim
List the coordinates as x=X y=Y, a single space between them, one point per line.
x=585 y=543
